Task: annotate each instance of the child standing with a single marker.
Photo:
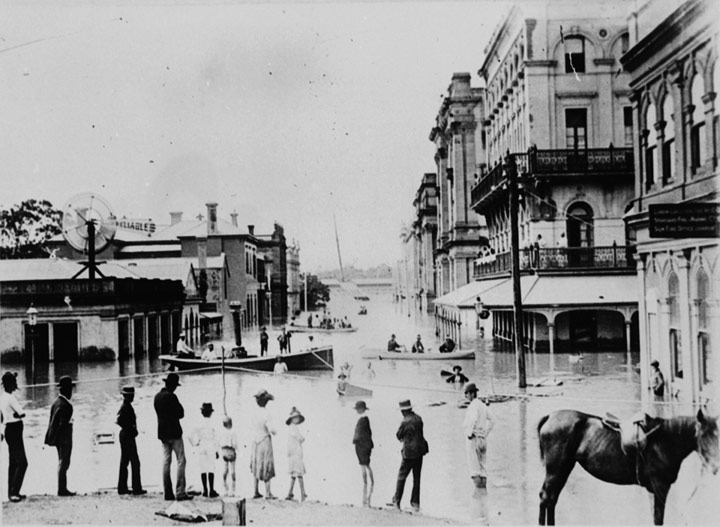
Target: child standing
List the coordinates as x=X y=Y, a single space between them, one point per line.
x=203 y=439
x=363 y=448
x=296 y=466
x=228 y=447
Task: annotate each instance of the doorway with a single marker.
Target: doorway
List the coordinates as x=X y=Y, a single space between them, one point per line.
x=580 y=235
x=583 y=330
x=65 y=340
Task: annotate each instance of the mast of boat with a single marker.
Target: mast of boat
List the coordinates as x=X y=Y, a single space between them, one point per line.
x=337 y=242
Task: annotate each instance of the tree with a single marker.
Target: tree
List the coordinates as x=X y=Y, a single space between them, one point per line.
x=316 y=291
x=25 y=228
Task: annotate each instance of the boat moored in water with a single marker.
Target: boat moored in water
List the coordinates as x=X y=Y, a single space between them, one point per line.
x=306 y=329
x=319 y=358
x=371 y=353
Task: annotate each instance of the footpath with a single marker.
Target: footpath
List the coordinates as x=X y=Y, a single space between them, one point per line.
x=105 y=508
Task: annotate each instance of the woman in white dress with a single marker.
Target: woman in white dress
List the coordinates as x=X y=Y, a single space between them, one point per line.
x=262 y=462
x=296 y=465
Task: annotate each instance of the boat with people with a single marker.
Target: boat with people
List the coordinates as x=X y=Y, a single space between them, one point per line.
x=379 y=354
x=307 y=329
x=319 y=358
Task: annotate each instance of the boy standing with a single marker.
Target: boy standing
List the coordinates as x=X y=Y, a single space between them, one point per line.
x=363 y=448
x=128 y=449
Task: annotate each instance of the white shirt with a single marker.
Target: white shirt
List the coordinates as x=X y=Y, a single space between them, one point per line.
x=228 y=438
x=8 y=406
x=182 y=346
x=479 y=420
x=280 y=368
x=209 y=354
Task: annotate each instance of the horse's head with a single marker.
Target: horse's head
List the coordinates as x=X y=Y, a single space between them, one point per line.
x=708 y=446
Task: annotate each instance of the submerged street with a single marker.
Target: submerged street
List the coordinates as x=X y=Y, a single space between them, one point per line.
x=603 y=382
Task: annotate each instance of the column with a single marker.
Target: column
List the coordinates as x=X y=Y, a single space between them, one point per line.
x=551 y=341
x=690 y=369
x=642 y=322
x=628 y=324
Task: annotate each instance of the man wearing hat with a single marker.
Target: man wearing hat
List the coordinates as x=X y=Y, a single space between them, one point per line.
x=182 y=349
x=477 y=425
x=457 y=375
x=264 y=338
x=363 y=449
x=657 y=381
x=414 y=448
x=60 y=431
x=448 y=346
x=12 y=429
x=128 y=449
x=169 y=412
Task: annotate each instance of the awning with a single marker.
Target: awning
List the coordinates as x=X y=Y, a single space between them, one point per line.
x=465 y=296
x=211 y=315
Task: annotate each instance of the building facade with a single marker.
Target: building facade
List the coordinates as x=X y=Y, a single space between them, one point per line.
x=295 y=282
x=425 y=242
x=675 y=76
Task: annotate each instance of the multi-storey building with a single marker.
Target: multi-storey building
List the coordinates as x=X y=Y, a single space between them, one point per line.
x=557 y=107
x=457 y=149
x=295 y=284
x=425 y=241
x=675 y=76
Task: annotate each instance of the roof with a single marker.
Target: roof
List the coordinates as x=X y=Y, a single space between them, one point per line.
x=55 y=269
x=162 y=268
x=196 y=228
x=547 y=291
x=151 y=248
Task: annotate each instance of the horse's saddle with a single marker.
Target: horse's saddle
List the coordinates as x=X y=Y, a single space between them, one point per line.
x=633 y=431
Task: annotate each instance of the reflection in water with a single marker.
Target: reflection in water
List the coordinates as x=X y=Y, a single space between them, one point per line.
x=603 y=383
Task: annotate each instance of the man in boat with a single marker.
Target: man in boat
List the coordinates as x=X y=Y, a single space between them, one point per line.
x=414 y=448
x=448 y=346
x=418 y=346
x=457 y=376
x=209 y=353
x=478 y=423
x=280 y=367
x=264 y=338
x=393 y=344
x=182 y=349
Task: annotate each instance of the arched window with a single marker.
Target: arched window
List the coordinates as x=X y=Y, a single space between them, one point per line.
x=697 y=132
x=651 y=146
x=574 y=54
x=716 y=120
x=668 y=147
x=674 y=325
x=580 y=225
x=703 y=327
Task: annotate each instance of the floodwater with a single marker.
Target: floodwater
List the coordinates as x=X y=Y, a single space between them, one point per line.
x=600 y=383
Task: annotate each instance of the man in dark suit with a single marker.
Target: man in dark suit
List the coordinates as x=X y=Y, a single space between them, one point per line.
x=414 y=448
x=169 y=412
x=128 y=449
x=60 y=430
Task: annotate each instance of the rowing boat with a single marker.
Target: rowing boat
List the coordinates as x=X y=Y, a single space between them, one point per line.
x=313 y=359
x=353 y=390
x=369 y=353
x=306 y=329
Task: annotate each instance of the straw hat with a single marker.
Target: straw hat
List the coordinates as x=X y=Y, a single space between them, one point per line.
x=294 y=413
x=128 y=390
x=405 y=405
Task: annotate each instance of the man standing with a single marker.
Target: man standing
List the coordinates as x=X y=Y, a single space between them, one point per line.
x=477 y=425
x=418 y=347
x=414 y=448
x=128 y=449
x=12 y=414
x=169 y=412
x=263 y=341
x=284 y=341
x=60 y=431
x=657 y=382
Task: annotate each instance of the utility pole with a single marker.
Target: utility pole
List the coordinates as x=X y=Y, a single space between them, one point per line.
x=512 y=176
x=306 y=304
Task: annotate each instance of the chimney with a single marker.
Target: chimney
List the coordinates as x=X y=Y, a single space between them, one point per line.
x=212 y=227
x=175 y=217
x=233 y=219
x=202 y=252
x=251 y=230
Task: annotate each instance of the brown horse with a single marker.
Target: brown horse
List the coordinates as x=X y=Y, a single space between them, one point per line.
x=568 y=436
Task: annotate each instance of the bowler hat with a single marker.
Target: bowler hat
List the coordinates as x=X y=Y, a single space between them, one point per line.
x=128 y=390
x=654 y=363
x=471 y=388
x=207 y=407
x=172 y=379
x=9 y=378
x=360 y=405
x=406 y=405
x=65 y=381
x=294 y=413
x=264 y=394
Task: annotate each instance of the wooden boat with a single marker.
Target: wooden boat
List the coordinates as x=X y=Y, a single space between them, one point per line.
x=353 y=390
x=305 y=329
x=313 y=359
x=370 y=353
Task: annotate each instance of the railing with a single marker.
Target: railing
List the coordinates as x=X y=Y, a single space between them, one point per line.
x=559 y=258
x=557 y=162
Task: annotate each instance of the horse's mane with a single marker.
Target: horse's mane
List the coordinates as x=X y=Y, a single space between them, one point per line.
x=678 y=426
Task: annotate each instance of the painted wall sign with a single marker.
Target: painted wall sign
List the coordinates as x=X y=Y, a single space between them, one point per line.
x=136 y=225
x=684 y=220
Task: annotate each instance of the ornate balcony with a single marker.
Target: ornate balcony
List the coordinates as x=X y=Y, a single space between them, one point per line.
x=614 y=257
x=554 y=163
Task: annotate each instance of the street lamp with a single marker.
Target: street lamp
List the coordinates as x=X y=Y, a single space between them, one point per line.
x=32 y=314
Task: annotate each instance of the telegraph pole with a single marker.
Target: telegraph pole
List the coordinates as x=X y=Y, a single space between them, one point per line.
x=512 y=176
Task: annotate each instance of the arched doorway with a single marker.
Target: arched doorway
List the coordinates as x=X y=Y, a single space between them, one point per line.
x=580 y=235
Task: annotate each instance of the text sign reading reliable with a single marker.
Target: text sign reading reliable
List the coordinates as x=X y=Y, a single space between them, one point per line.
x=684 y=220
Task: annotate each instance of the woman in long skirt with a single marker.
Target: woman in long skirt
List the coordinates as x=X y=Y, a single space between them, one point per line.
x=262 y=462
x=296 y=464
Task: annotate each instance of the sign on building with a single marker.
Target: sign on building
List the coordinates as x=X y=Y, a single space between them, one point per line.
x=684 y=220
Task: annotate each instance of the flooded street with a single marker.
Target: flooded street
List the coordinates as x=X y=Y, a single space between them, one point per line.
x=604 y=382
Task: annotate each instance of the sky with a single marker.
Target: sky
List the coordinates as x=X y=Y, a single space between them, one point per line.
x=292 y=112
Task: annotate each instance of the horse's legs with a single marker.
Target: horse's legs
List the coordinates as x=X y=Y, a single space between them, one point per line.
x=660 y=498
x=556 y=475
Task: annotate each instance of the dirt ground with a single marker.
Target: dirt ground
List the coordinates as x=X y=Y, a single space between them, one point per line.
x=111 y=509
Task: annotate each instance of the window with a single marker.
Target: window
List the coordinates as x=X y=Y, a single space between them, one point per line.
x=576 y=128
x=703 y=329
x=624 y=43
x=574 y=54
x=668 y=147
x=716 y=121
x=580 y=225
x=697 y=131
x=628 y=125
x=651 y=146
x=675 y=334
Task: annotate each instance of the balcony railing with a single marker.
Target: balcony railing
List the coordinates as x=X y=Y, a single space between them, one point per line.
x=560 y=258
x=556 y=162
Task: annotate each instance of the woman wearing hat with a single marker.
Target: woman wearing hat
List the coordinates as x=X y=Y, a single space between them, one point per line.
x=363 y=448
x=12 y=428
x=296 y=465
x=262 y=462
